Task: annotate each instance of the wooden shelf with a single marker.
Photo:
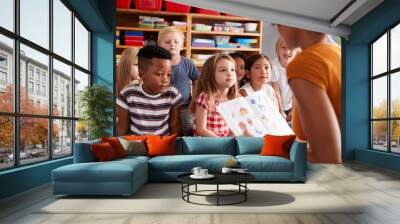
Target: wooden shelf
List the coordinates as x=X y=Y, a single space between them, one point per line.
x=226 y=33
x=152 y=13
x=139 y=29
x=127 y=20
x=126 y=46
x=224 y=49
x=219 y=17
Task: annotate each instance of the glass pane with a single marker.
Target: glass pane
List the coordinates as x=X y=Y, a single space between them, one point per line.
x=34 y=92
x=379 y=98
x=6 y=142
x=379 y=135
x=33 y=139
x=62 y=141
x=81 y=45
x=395 y=94
x=81 y=131
x=62 y=29
x=62 y=89
x=395 y=47
x=35 y=21
x=395 y=136
x=6 y=74
x=7 y=14
x=379 y=55
x=81 y=81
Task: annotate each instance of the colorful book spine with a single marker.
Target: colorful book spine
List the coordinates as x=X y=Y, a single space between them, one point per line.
x=134 y=38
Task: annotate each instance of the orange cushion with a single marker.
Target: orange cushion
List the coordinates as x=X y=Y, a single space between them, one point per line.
x=135 y=137
x=277 y=145
x=161 y=145
x=116 y=145
x=103 y=152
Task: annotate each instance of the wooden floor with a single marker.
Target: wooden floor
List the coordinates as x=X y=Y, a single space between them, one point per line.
x=378 y=188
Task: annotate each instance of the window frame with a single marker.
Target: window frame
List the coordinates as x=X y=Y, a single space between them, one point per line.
x=388 y=74
x=16 y=114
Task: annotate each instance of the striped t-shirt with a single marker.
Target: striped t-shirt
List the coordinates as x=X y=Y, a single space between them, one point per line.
x=149 y=113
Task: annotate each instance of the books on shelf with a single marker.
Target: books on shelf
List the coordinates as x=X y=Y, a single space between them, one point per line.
x=253 y=115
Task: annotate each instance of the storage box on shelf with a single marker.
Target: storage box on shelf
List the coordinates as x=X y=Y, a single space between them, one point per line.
x=176 y=7
x=152 y=5
x=125 y=4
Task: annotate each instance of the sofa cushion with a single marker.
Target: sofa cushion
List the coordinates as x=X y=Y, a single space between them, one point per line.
x=277 y=145
x=103 y=152
x=249 y=145
x=134 y=147
x=116 y=145
x=257 y=163
x=97 y=172
x=207 y=145
x=185 y=163
x=161 y=145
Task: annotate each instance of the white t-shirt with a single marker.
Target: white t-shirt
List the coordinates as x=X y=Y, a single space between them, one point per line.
x=279 y=75
x=267 y=89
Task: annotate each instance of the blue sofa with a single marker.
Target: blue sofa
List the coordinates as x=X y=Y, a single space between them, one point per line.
x=125 y=176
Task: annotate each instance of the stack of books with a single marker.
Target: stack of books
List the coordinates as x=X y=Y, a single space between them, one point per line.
x=151 y=22
x=179 y=25
x=200 y=42
x=134 y=38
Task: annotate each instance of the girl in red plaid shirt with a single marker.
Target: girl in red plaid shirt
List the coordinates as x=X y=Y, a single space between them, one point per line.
x=216 y=84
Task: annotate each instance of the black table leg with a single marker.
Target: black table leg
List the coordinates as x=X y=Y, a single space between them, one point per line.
x=245 y=193
x=217 y=194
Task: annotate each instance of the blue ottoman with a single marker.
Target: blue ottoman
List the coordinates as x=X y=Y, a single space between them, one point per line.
x=119 y=177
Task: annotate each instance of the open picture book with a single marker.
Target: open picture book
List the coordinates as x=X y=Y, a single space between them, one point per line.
x=254 y=115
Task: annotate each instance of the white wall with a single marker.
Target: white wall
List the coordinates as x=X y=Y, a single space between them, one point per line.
x=269 y=38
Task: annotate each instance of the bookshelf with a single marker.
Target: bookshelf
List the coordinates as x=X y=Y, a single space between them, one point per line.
x=128 y=19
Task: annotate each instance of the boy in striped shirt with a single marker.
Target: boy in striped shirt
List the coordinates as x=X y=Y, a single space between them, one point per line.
x=152 y=107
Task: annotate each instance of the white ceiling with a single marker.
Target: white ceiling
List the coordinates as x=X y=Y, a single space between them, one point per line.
x=317 y=15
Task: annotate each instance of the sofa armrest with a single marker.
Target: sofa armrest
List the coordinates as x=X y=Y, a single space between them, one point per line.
x=298 y=155
x=83 y=153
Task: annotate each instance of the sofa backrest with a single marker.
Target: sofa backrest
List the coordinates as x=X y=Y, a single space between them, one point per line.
x=206 y=145
x=249 y=145
x=83 y=152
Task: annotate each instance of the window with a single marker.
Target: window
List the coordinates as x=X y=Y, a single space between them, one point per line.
x=38 y=89
x=385 y=96
x=37 y=74
x=3 y=72
x=30 y=87
x=40 y=82
x=30 y=72
x=43 y=90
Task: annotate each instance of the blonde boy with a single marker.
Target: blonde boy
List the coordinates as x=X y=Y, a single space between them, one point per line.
x=183 y=71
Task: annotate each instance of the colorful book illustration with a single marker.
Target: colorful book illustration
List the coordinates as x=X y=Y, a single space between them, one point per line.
x=254 y=115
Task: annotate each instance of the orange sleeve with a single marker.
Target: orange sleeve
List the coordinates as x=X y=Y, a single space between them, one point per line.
x=309 y=66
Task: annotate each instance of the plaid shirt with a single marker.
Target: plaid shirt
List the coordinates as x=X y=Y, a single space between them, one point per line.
x=215 y=122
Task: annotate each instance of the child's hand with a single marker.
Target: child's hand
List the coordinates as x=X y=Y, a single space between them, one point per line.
x=289 y=116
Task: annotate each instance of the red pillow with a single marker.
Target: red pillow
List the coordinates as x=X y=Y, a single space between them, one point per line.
x=135 y=137
x=277 y=145
x=103 y=151
x=116 y=145
x=161 y=145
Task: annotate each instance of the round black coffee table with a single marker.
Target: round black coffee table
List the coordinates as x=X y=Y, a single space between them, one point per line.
x=238 y=179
